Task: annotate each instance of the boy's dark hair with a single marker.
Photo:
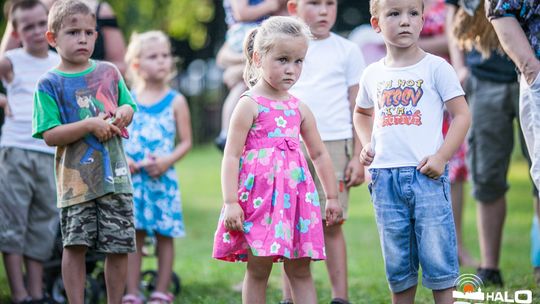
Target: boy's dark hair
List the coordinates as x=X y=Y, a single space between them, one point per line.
x=62 y=9
x=11 y=6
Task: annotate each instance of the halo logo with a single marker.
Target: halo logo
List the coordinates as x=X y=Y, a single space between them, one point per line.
x=469 y=291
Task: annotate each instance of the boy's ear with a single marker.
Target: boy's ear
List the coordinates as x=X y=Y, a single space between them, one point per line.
x=291 y=7
x=135 y=64
x=51 y=39
x=375 y=24
x=15 y=34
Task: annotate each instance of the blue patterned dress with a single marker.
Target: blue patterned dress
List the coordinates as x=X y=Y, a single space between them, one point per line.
x=157 y=205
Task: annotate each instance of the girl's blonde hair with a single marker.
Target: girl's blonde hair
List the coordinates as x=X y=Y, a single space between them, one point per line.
x=134 y=50
x=262 y=38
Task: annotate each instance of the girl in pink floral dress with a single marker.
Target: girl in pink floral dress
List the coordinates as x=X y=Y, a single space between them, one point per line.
x=271 y=208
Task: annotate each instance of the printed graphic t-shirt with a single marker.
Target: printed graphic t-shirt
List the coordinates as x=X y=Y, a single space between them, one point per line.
x=408 y=107
x=87 y=168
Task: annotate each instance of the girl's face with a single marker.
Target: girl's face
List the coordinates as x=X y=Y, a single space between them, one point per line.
x=282 y=64
x=155 y=61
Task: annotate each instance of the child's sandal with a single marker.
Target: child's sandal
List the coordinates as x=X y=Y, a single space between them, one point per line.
x=158 y=297
x=131 y=299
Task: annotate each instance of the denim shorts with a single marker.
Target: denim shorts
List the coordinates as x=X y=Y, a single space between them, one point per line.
x=416 y=227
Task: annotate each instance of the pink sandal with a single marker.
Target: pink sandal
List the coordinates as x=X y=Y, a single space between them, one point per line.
x=158 y=297
x=131 y=299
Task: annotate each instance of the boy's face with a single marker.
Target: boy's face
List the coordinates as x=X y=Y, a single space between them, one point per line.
x=75 y=40
x=399 y=21
x=319 y=15
x=31 y=26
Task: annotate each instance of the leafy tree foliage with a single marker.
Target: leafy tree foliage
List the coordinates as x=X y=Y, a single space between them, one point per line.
x=181 y=19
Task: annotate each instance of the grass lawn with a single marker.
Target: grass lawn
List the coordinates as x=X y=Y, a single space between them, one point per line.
x=205 y=280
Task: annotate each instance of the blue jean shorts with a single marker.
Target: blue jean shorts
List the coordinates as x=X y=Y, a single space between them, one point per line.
x=416 y=227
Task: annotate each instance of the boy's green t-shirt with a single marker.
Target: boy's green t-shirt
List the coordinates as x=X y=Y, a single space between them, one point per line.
x=86 y=169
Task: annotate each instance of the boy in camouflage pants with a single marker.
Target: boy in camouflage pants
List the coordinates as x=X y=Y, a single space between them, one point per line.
x=81 y=108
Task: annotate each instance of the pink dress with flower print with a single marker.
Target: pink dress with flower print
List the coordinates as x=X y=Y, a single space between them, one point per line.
x=275 y=190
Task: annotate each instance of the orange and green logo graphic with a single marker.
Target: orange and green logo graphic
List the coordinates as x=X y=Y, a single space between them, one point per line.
x=469 y=290
x=469 y=283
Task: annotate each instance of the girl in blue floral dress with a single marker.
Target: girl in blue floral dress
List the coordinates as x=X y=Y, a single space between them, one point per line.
x=161 y=119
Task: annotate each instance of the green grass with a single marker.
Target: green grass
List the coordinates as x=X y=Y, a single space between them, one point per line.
x=205 y=280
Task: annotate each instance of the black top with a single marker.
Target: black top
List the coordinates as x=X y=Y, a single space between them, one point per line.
x=497 y=68
x=99 y=49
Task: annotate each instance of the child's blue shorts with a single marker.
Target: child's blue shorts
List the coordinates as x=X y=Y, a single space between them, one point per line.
x=416 y=227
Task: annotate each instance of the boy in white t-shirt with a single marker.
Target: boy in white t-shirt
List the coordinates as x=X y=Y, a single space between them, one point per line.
x=329 y=85
x=407 y=91
x=29 y=218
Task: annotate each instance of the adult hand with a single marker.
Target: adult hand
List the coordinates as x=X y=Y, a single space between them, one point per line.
x=532 y=73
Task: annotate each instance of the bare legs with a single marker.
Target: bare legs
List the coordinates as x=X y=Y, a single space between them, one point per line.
x=299 y=274
x=443 y=296
x=165 y=262
x=458 y=202
x=165 y=255
x=336 y=260
x=134 y=270
x=490 y=218
x=115 y=276
x=34 y=269
x=297 y=270
x=256 y=279
x=74 y=274
x=336 y=264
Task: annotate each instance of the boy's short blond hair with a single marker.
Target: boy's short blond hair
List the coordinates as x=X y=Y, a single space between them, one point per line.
x=62 y=9
x=374 y=7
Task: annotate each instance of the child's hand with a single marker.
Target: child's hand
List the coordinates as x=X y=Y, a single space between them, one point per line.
x=354 y=173
x=233 y=217
x=432 y=166
x=123 y=116
x=156 y=166
x=334 y=212
x=133 y=167
x=367 y=155
x=101 y=128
